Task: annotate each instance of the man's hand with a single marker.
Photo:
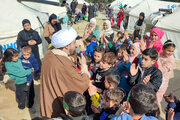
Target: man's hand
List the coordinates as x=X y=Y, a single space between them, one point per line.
x=92 y=90
x=82 y=59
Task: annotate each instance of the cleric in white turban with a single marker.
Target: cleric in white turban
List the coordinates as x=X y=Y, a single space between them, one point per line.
x=59 y=74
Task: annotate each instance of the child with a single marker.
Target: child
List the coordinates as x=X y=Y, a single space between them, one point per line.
x=111 y=81
x=119 y=54
x=146 y=73
x=29 y=62
x=134 y=51
x=90 y=46
x=112 y=21
x=119 y=35
x=74 y=105
x=166 y=64
x=106 y=66
x=123 y=70
x=137 y=38
x=98 y=53
x=155 y=35
x=88 y=63
x=173 y=107
x=141 y=100
x=13 y=67
x=110 y=103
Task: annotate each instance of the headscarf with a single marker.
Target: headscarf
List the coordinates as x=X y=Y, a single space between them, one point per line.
x=25 y=21
x=109 y=31
x=136 y=45
x=158 y=44
x=137 y=35
x=56 y=26
x=140 y=22
x=93 y=20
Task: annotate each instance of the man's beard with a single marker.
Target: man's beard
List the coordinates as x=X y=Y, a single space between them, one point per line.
x=71 y=52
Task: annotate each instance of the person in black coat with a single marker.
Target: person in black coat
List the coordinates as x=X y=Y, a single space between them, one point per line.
x=147 y=72
x=29 y=37
x=90 y=12
x=74 y=4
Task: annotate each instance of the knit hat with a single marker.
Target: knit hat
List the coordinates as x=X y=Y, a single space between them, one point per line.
x=63 y=37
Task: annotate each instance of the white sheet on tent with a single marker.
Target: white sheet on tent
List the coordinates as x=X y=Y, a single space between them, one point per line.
x=148 y=7
x=171 y=26
x=59 y=11
x=11 y=22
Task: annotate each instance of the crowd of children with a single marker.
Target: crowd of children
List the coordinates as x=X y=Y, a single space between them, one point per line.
x=128 y=76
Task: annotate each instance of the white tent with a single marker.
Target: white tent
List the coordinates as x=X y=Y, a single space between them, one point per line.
x=171 y=26
x=148 y=7
x=11 y=22
x=59 y=11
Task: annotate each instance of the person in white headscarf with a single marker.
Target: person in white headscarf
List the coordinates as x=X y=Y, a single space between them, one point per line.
x=59 y=73
x=92 y=29
x=107 y=31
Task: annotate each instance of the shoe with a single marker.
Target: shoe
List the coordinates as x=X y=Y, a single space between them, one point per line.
x=32 y=110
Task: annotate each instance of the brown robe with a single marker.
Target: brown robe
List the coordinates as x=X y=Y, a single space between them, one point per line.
x=58 y=75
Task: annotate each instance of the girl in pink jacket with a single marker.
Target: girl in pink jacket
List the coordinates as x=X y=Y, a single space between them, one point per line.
x=166 y=65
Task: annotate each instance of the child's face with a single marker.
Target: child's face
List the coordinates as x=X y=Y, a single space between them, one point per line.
x=105 y=26
x=137 y=39
x=133 y=51
x=119 y=35
x=107 y=103
x=120 y=54
x=154 y=37
x=107 y=84
x=93 y=39
x=97 y=57
x=168 y=51
x=26 y=55
x=146 y=61
x=15 y=58
x=104 y=65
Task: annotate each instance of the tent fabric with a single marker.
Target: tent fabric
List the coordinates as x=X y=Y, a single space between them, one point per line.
x=171 y=26
x=11 y=18
x=148 y=7
x=50 y=9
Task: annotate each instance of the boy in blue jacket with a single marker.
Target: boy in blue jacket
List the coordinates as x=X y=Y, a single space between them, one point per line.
x=140 y=105
x=29 y=61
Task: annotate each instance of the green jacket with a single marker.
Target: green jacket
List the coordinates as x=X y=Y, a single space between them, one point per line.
x=16 y=71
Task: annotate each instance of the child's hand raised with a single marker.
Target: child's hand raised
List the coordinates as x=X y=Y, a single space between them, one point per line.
x=142 y=45
x=133 y=69
x=146 y=79
x=125 y=56
x=171 y=114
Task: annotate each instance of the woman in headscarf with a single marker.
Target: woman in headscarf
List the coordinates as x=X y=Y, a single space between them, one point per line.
x=92 y=29
x=120 y=16
x=107 y=31
x=29 y=37
x=140 y=25
x=51 y=27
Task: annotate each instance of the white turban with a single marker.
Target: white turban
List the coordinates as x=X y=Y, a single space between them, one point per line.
x=93 y=20
x=63 y=37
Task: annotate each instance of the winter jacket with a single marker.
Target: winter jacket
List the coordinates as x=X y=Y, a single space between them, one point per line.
x=29 y=63
x=99 y=77
x=90 y=49
x=155 y=79
x=16 y=71
x=126 y=116
x=106 y=114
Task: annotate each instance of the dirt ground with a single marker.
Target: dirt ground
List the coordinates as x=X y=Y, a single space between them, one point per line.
x=8 y=104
